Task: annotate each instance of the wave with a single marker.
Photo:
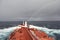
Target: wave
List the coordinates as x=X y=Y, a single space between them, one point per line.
x=50 y=32
x=4 y=33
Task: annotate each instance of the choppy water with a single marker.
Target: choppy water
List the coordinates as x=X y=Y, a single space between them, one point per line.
x=5 y=31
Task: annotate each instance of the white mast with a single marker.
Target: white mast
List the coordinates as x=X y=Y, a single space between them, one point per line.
x=25 y=23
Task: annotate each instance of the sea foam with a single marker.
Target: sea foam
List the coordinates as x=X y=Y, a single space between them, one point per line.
x=5 y=33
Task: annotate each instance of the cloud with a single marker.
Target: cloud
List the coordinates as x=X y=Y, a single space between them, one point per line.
x=12 y=10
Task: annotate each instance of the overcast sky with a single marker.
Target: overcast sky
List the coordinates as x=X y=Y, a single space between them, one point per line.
x=32 y=10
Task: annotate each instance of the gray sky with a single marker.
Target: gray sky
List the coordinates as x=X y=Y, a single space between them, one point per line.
x=32 y=10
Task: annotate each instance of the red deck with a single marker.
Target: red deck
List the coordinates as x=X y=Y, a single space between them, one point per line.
x=25 y=33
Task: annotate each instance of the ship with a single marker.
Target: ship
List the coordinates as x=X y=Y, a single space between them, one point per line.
x=27 y=33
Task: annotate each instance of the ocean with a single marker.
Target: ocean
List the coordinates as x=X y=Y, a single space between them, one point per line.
x=48 y=24
x=52 y=26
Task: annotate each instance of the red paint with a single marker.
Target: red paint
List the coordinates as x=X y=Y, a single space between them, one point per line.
x=24 y=34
